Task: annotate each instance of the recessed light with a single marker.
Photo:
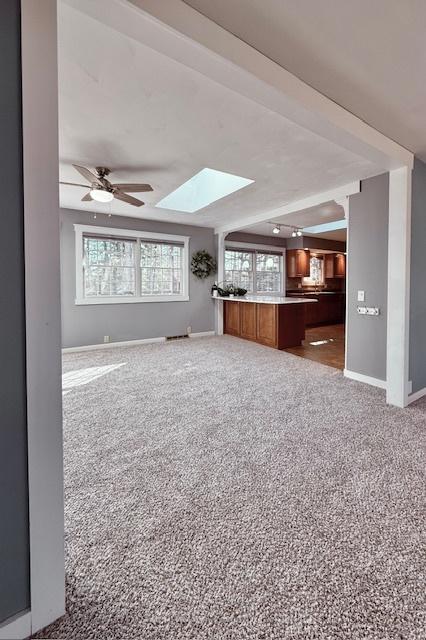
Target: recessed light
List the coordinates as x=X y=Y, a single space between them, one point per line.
x=206 y=187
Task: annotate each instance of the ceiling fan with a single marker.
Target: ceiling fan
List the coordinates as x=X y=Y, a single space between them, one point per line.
x=102 y=190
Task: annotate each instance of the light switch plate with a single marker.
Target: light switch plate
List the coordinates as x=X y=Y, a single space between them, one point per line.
x=361 y=296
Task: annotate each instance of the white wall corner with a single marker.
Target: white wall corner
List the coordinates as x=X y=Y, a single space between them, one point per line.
x=398 y=321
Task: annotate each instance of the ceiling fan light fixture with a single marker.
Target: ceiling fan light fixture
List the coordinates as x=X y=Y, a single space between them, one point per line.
x=100 y=195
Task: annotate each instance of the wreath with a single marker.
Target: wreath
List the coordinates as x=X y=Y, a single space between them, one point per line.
x=202 y=264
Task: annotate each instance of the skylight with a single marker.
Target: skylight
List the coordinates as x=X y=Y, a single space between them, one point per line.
x=207 y=186
x=327 y=226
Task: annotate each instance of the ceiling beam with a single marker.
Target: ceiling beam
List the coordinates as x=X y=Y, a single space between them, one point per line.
x=292 y=207
x=181 y=32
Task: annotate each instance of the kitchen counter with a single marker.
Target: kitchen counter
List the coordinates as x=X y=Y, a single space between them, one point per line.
x=265 y=299
x=275 y=321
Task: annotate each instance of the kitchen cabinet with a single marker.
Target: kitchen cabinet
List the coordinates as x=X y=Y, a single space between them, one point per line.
x=334 y=265
x=248 y=320
x=298 y=263
x=340 y=265
x=278 y=324
x=232 y=318
x=329 y=310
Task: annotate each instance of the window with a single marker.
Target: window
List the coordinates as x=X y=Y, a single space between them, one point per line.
x=109 y=267
x=268 y=273
x=239 y=269
x=316 y=271
x=118 y=265
x=258 y=271
x=161 y=268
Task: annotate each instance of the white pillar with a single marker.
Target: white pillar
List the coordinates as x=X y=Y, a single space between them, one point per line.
x=220 y=279
x=398 y=286
x=42 y=307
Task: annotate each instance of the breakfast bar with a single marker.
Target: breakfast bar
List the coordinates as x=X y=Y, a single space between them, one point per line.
x=275 y=321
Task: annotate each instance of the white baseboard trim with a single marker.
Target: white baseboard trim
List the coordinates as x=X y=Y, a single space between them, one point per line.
x=416 y=395
x=129 y=343
x=360 y=377
x=16 y=628
x=112 y=345
x=202 y=334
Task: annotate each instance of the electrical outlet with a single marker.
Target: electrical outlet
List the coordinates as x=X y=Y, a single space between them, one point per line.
x=361 y=296
x=188 y=330
x=107 y=338
x=373 y=311
x=362 y=311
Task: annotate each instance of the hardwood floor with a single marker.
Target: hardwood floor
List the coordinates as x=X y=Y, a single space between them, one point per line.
x=323 y=344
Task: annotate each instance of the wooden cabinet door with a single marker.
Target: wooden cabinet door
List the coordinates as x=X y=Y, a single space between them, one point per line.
x=291 y=263
x=248 y=320
x=329 y=265
x=303 y=260
x=340 y=265
x=266 y=324
x=232 y=317
x=298 y=263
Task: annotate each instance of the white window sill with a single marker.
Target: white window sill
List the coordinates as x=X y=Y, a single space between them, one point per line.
x=133 y=299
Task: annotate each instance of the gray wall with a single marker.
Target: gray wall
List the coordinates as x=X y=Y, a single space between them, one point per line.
x=14 y=534
x=88 y=324
x=367 y=270
x=418 y=278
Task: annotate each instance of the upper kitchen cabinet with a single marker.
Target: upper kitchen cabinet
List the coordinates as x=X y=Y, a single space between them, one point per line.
x=298 y=263
x=334 y=265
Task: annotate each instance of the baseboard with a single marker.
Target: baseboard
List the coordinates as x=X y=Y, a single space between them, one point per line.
x=16 y=628
x=360 y=377
x=129 y=343
x=416 y=395
x=202 y=334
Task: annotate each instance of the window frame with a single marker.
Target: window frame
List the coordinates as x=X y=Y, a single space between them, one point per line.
x=255 y=249
x=81 y=229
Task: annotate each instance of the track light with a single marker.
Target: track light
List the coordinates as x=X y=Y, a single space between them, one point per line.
x=294 y=233
x=276 y=229
x=299 y=232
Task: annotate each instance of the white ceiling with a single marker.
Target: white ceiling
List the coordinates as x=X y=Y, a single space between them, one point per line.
x=327 y=212
x=368 y=56
x=152 y=119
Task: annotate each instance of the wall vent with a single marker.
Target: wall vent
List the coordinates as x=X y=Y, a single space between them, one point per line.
x=185 y=335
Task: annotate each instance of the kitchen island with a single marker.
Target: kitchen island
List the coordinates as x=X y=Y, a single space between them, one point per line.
x=275 y=321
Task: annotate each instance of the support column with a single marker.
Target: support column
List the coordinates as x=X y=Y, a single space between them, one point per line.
x=220 y=278
x=398 y=286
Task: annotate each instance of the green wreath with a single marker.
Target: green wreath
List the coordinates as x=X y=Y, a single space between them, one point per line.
x=202 y=264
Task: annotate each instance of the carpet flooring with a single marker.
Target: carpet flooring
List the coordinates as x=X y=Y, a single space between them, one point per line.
x=218 y=489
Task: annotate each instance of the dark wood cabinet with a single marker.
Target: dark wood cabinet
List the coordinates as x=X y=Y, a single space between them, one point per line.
x=329 y=265
x=267 y=324
x=274 y=325
x=248 y=320
x=340 y=265
x=232 y=318
x=334 y=265
x=298 y=263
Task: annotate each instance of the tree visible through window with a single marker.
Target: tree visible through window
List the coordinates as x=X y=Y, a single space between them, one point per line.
x=255 y=271
x=161 y=268
x=109 y=267
x=122 y=267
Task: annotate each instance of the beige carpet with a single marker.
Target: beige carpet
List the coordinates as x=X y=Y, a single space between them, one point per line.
x=217 y=489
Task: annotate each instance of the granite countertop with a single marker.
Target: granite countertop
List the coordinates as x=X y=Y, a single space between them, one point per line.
x=265 y=299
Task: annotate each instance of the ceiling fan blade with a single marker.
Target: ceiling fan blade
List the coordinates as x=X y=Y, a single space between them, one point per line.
x=73 y=184
x=87 y=198
x=129 y=199
x=132 y=187
x=86 y=173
